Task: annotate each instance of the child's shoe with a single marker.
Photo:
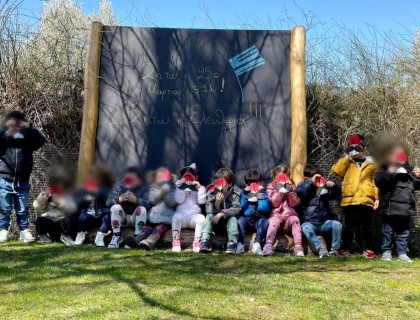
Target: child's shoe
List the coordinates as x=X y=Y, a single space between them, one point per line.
x=67 y=240
x=404 y=258
x=4 y=235
x=231 y=247
x=369 y=254
x=205 y=247
x=176 y=246
x=387 y=256
x=299 y=251
x=196 y=246
x=323 y=252
x=99 y=239
x=132 y=242
x=334 y=252
x=268 y=249
x=26 y=236
x=344 y=253
x=149 y=243
x=115 y=243
x=44 y=238
x=256 y=249
x=240 y=248
x=80 y=238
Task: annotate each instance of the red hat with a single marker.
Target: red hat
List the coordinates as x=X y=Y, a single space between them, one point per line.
x=356 y=140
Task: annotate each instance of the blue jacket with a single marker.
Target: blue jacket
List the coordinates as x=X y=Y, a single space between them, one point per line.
x=316 y=209
x=258 y=209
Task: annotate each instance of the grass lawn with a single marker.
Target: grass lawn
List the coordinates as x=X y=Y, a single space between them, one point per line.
x=56 y=282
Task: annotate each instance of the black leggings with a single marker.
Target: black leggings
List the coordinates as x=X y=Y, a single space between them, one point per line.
x=65 y=226
x=357 y=225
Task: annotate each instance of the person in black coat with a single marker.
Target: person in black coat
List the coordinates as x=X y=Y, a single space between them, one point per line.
x=396 y=181
x=18 y=141
x=315 y=193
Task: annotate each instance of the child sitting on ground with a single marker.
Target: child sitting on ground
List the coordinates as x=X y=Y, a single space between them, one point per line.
x=397 y=181
x=283 y=218
x=129 y=202
x=359 y=196
x=91 y=201
x=162 y=199
x=58 y=207
x=315 y=193
x=222 y=208
x=255 y=209
x=189 y=195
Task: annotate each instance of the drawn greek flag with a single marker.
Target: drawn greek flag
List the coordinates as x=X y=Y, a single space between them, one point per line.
x=245 y=61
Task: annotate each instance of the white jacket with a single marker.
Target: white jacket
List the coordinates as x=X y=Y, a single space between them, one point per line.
x=189 y=201
x=53 y=210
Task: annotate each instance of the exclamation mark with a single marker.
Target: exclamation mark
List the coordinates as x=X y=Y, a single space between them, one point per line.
x=223 y=84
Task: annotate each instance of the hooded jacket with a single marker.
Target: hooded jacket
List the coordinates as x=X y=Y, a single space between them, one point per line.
x=255 y=210
x=358 y=185
x=316 y=209
x=52 y=209
x=163 y=206
x=16 y=149
x=189 y=201
x=396 y=192
x=282 y=204
x=141 y=192
x=230 y=206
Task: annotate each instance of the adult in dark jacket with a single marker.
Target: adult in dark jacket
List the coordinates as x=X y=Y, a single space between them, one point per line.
x=396 y=181
x=129 y=203
x=18 y=141
x=222 y=208
x=315 y=194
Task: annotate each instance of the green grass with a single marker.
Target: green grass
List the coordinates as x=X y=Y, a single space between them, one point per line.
x=56 y=282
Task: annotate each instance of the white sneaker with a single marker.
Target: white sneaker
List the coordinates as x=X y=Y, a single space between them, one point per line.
x=99 y=239
x=67 y=240
x=44 y=238
x=176 y=246
x=115 y=242
x=26 y=236
x=256 y=249
x=4 y=235
x=80 y=238
x=240 y=248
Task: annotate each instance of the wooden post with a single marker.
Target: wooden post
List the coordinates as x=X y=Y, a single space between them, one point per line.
x=91 y=100
x=298 y=154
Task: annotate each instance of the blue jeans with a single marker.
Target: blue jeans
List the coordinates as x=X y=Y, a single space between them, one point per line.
x=332 y=227
x=106 y=224
x=398 y=225
x=247 y=224
x=14 y=196
x=87 y=222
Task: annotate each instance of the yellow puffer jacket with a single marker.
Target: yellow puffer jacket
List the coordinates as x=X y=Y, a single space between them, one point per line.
x=358 y=185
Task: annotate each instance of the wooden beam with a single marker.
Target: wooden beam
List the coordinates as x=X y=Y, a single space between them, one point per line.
x=298 y=154
x=91 y=100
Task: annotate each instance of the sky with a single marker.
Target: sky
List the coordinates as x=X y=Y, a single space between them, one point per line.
x=402 y=16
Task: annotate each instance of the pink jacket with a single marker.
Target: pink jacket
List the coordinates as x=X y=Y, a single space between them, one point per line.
x=282 y=204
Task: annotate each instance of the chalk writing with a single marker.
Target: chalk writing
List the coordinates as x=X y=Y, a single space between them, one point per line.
x=153 y=89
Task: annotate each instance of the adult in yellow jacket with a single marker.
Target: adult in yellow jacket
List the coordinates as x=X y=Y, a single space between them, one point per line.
x=359 y=196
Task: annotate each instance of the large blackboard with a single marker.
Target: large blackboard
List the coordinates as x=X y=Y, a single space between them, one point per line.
x=175 y=96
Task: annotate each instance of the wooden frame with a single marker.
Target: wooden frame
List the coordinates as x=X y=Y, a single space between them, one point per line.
x=298 y=154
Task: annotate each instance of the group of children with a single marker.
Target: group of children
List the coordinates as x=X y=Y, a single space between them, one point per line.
x=176 y=203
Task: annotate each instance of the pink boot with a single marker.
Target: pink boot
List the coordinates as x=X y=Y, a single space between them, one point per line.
x=176 y=246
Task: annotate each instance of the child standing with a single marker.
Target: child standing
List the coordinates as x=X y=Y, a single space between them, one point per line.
x=91 y=201
x=189 y=195
x=222 y=208
x=255 y=209
x=58 y=209
x=397 y=181
x=315 y=193
x=129 y=202
x=162 y=199
x=283 y=198
x=359 y=196
x=18 y=141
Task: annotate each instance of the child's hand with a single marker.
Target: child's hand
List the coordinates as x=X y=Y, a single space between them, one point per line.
x=47 y=192
x=196 y=184
x=392 y=169
x=132 y=198
x=219 y=198
x=123 y=198
x=315 y=178
x=217 y=218
x=330 y=184
x=416 y=171
x=376 y=205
